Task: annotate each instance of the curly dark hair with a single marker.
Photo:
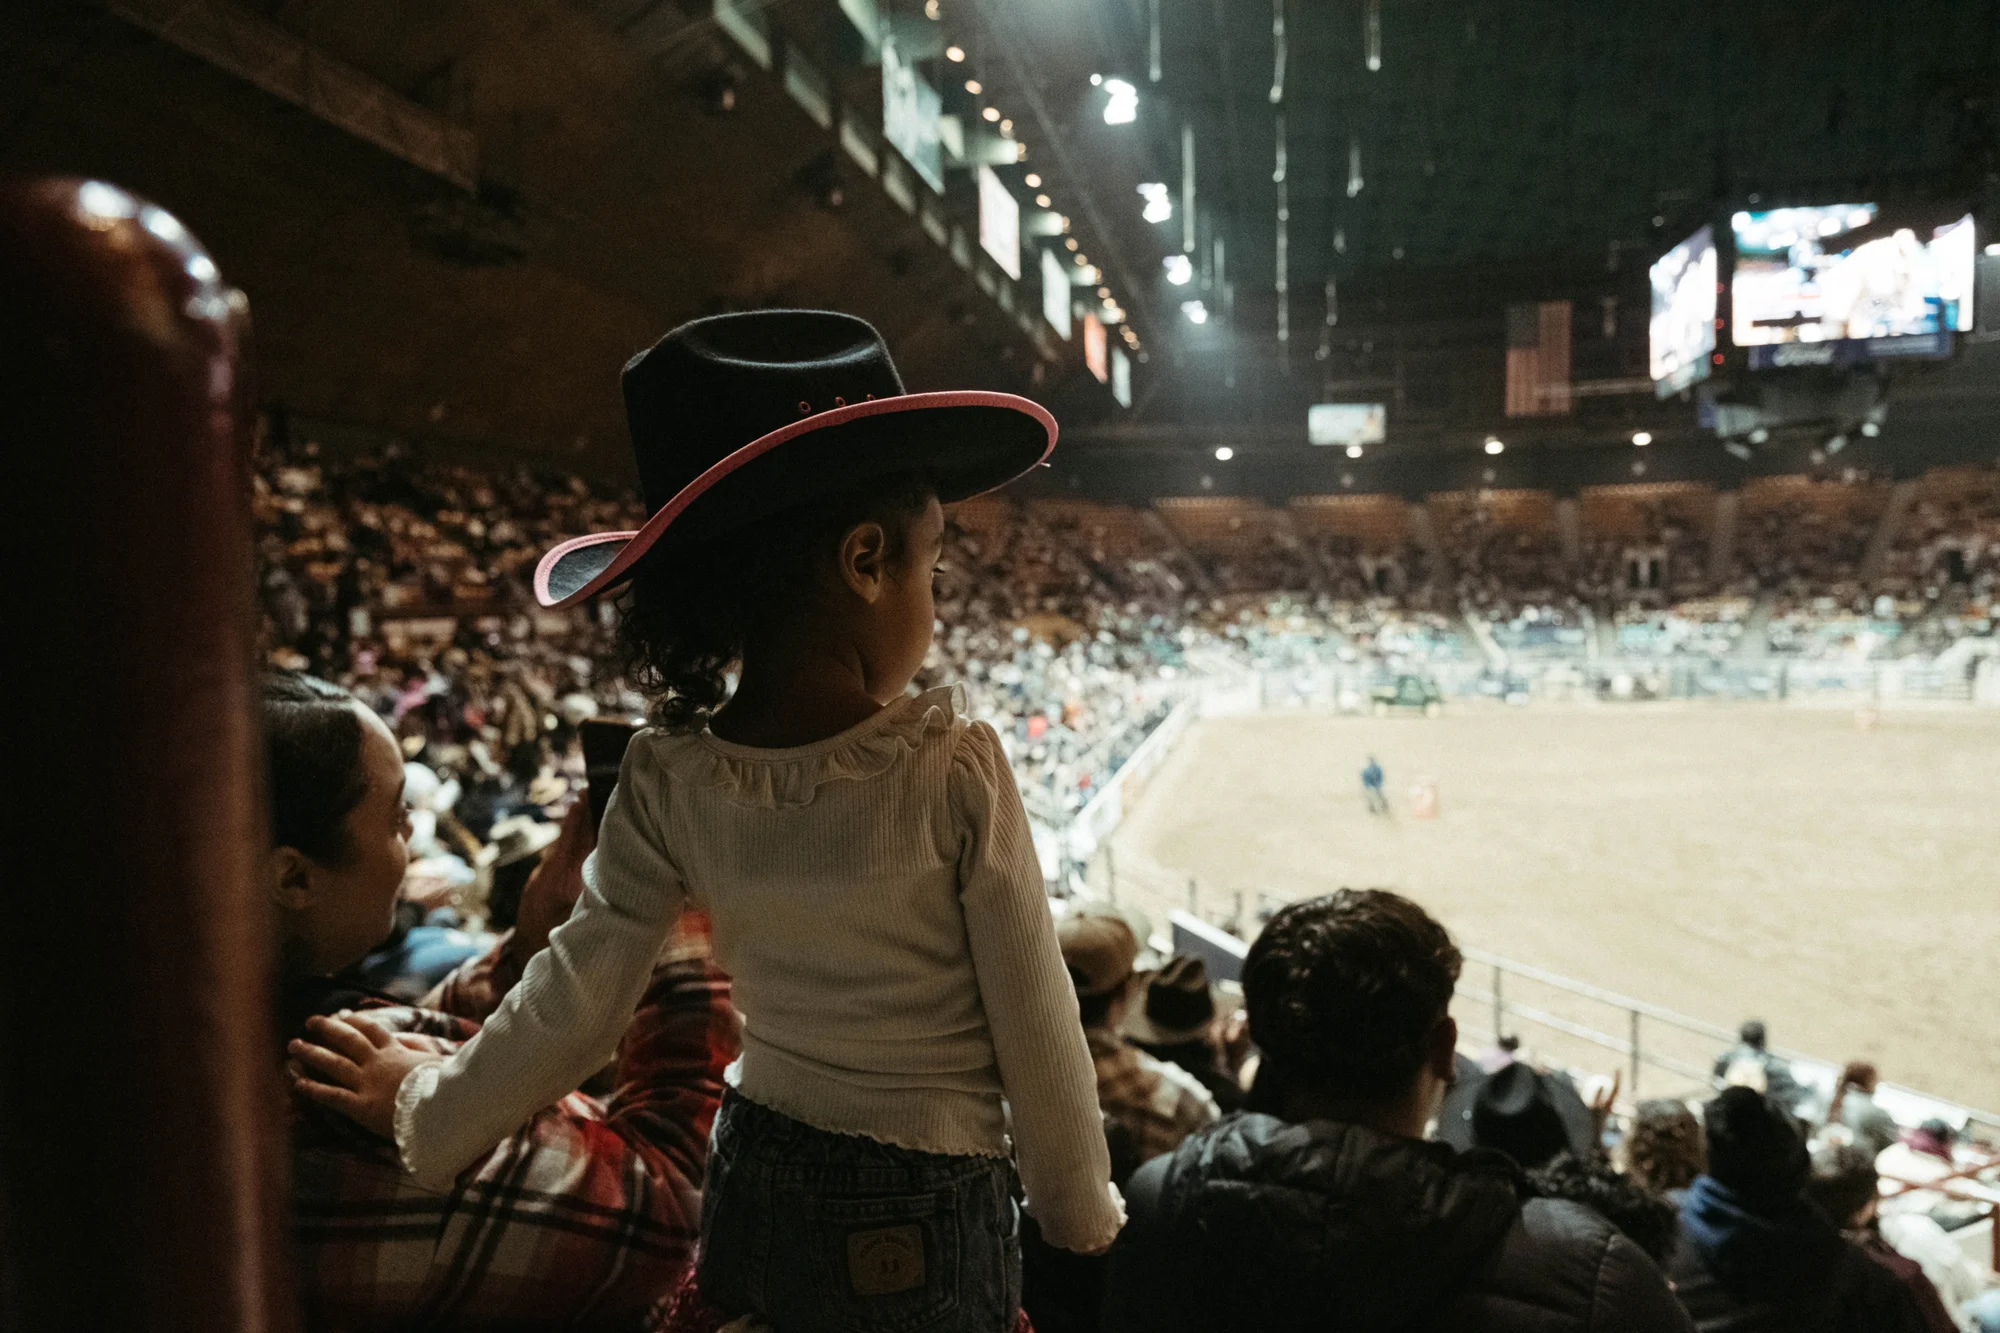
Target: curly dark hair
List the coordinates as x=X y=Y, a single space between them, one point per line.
x=1647 y=1220
x=1665 y=1149
x=685 y=615
x=1343 y=991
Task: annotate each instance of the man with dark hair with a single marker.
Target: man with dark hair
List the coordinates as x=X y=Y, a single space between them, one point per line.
x=1750 y=1063
x=1757 y=1254
x=1847 y=1188
x=1321 y=1207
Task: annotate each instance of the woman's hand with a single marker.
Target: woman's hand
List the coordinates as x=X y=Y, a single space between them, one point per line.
x=362 y=1063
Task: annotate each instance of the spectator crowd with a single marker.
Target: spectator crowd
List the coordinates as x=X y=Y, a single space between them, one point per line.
x=1305 y=1148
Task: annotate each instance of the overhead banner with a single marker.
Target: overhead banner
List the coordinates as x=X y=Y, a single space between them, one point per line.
x=1000 y=224
x=1093 y=347
x=910 y=110
x=1055 y=293
x=1121 y=377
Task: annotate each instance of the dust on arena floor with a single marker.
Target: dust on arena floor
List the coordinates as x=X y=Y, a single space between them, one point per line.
x=1723 y=860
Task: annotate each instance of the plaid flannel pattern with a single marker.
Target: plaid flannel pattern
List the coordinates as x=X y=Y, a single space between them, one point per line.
x=1157 y=1103
x=584 y=1218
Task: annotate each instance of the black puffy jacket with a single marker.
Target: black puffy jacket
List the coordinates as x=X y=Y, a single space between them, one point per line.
x=1254 y=1223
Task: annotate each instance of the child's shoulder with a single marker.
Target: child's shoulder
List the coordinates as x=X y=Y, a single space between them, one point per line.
x=907 y=730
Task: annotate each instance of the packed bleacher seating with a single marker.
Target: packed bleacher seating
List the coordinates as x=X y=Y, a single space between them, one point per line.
x=1069 y=622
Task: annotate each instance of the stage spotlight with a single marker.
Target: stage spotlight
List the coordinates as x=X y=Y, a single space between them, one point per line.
x=1224 y=453
x=1642 y=438
x=1354 y=451
x=1196 y=312
x=1180 y=269
x=1493 y=445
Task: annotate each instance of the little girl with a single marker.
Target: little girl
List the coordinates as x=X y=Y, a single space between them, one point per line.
x=862 y=854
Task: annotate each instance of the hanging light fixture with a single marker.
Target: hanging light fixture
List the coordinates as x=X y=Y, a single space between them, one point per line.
x=1122 y=108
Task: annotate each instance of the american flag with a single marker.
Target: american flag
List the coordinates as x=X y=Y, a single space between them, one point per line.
x=1538 y=359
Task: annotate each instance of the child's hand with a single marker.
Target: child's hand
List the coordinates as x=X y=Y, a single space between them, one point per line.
x=363 y=1064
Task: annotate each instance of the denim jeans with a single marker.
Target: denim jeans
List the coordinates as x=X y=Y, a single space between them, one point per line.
x=819 y=1232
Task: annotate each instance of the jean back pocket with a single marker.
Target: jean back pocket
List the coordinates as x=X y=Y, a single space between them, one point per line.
x=886 y=1264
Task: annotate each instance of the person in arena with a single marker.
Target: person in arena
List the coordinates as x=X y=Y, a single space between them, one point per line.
x=1371 y=787
x=1322 y=1206
x=588 y=1212
x=1153 y=1103
x=1664 y=1150
x=1756 y=1253
x=862 y=853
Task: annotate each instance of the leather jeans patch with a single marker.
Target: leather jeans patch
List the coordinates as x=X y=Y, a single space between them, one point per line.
x=885 y=1260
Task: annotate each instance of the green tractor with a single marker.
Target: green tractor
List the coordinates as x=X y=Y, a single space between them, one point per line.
x=1413 y=692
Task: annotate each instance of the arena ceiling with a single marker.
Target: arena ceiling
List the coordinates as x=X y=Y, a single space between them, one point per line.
x=632 y=166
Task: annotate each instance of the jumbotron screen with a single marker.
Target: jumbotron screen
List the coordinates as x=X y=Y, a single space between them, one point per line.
x=1683 y=325
x=1832 y=273
x=1347 y=423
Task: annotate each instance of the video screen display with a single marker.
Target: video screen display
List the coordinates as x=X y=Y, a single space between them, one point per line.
x=1055 y=293
x=910 y=109
x=999 y=223
x=1347 y=423
x=1683 y=324
x=1834 y=273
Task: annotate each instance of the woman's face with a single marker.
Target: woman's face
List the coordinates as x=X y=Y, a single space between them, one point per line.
x=348 y=908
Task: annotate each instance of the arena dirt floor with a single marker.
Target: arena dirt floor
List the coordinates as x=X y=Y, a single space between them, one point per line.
x=1722 y=860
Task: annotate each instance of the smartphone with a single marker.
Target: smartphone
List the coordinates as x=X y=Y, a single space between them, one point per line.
x=603 y=754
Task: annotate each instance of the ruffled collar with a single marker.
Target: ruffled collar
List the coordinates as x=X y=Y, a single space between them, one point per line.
x=789 y=777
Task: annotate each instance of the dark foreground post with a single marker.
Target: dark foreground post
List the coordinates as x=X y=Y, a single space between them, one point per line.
x=139 y=1172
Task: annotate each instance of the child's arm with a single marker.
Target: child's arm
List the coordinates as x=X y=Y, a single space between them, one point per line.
x=563 y=1021
x=1030 y=1005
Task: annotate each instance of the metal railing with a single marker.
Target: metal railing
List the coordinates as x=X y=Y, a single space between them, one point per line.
x=1644 y=1024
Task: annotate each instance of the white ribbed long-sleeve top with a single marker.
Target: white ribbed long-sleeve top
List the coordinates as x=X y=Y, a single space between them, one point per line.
x=876 y=900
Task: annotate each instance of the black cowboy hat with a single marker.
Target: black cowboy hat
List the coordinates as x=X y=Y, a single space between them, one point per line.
x=1180 y=1005
x=1529 y=1115
x=738 y=417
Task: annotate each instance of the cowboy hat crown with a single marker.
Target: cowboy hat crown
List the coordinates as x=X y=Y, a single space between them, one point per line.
x=737 y=417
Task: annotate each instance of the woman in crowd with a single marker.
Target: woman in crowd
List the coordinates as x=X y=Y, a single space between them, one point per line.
x=1853 y=1105
x=1665 y=1150
x=588 y=1212
x=863 y=853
